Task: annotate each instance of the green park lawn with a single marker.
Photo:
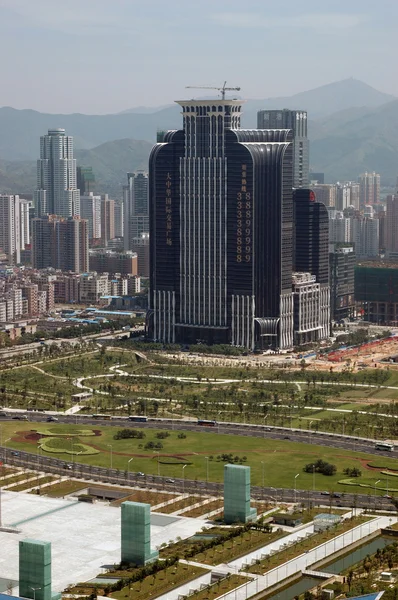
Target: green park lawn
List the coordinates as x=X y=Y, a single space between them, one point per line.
x=279 y=460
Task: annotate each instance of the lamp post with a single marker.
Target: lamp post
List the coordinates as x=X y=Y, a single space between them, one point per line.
x=313 y=478
x=35 y=589
x=183 y=479
x=110 y=446
x=158 y=455
x=295 y=487
x=263 y=474
x=355 y=441
x=265 y=418
x=276 y=495
x=378 y=481
x=207 y=469
x=128 y=466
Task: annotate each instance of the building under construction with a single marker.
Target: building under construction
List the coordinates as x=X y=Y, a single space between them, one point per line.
x=376 y=288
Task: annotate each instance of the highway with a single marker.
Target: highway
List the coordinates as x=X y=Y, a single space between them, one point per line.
x=101 y=474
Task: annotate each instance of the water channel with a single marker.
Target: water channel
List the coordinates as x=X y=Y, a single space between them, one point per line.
x=334 y=567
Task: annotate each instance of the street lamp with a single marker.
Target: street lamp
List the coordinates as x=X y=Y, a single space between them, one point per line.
x=128 y=466
x=263 y=473
x=313 y=478
x=265 y=418
x=378 y=481
x=183 y=479
x=295 y=487
x=158 y=454
x=276 y=495
x=355 y=441
x=35 y=589
x=110 y=446
x=207 y=469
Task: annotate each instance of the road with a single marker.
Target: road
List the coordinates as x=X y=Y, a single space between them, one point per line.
x=101 y=474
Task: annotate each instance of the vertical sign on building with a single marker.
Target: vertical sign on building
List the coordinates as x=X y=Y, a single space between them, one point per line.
x=169 y=211
x=244 y=220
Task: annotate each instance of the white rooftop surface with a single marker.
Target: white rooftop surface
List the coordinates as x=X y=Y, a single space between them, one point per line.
x=84 y=537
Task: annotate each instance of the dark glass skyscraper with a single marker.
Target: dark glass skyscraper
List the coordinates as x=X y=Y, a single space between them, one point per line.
x=311 y=250
x=296 y=120
x=221 y=231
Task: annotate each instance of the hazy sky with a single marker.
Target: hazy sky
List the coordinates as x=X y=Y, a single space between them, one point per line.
x=101 y=56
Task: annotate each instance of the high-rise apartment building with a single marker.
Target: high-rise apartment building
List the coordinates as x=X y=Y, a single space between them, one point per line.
x=135 y=198
x=60 y=243
x=221 y=257
x=325 y=193
x=10 y=228
x=340 y=227
x=25 y=207
x=296 y=120
x=343 y=196
x=365 y=235
x=140 y=245
x=90 y=209
x=107 y=219
x=119 y=219
x=369 y=188
x=56 y=192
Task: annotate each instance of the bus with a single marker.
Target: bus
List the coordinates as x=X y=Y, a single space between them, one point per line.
x=102 y=417
x=386 y=446
x=138 y=419
x=206 y=423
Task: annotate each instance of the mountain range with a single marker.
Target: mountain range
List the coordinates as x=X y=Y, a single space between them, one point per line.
x=352 y=128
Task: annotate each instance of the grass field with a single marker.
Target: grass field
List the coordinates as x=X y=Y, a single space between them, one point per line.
x=278 y=460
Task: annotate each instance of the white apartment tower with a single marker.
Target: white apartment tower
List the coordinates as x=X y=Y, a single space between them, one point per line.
x=10 y=228
x=56 y=191
x=90 y=209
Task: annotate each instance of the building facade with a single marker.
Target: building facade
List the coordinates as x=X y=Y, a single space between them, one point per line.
x=136 y=212
x=369 y=184
x=56 y=192
x=311 y=265
x=391 y=224
x=60 y=243
x=221 y=257
x=342 y=263
x=10 y=228
x=107 y=261
x=90 y=209
x=296 y=120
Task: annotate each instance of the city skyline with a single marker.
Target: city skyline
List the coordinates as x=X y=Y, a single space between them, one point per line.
x=348 y=38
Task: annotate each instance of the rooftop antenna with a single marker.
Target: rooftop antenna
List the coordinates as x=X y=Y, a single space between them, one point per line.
x=222 y=89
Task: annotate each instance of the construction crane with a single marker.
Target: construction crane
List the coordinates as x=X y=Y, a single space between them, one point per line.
x=222 y=89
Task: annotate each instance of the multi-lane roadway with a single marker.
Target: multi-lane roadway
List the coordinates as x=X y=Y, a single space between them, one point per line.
x=101 y=474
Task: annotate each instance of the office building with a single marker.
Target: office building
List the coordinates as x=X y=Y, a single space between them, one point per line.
x=342 y=263
x=60 y=243
x=369 y=184
x=376 y=289
x=85 y=180
x=135 y=199
x=311 y=265
x=90 y=209
x=355 y=193
x=325 y=193
x=10 y=228
x=221 y=257
x=107 y=219
x=57 y=192
x=391 y=232
x=316 y=177
x=296 y=120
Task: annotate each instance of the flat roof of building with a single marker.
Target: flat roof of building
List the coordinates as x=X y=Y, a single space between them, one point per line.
x=84 y=537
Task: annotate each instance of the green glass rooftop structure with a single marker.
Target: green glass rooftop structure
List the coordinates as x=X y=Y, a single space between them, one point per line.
x=237 y=495
x=35 y=570
x=136 y=534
